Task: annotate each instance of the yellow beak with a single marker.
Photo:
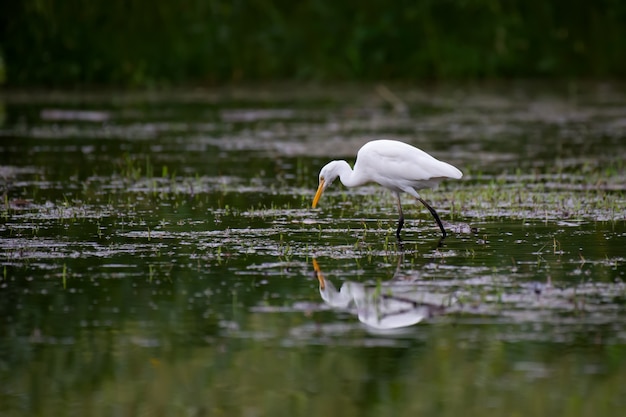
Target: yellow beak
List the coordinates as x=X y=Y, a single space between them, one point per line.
x=318 y=194
x=318 y=273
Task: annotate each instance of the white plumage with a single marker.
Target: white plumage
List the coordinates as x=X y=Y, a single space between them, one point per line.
x=395 y=165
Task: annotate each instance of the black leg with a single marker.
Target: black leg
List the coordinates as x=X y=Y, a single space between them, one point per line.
x=436 y=216
x=400 y=224
x=401 y=219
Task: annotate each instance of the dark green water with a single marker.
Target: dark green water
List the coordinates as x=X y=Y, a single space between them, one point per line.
x=158 y=251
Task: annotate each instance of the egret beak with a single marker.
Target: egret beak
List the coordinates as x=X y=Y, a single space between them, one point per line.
x=318 y=274
x=318 y=194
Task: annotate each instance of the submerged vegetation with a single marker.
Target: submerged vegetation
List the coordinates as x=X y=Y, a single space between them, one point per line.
x=158 y=255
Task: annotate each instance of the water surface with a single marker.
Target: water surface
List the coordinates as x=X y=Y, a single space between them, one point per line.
x=158 y=254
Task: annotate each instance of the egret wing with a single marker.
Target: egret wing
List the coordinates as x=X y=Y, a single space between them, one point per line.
x=398 y=166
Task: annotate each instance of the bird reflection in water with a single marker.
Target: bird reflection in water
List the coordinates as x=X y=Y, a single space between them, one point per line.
x=391 y=305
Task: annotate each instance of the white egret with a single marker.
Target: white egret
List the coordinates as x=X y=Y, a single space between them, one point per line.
x=396 y=166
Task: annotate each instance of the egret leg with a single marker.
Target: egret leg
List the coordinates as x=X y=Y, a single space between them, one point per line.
x=401 y=219
x=435 y=215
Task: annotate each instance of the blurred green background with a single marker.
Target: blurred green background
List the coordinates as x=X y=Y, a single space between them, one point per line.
x=163 y=43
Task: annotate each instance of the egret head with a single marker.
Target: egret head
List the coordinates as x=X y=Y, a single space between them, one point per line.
x=328 y=174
